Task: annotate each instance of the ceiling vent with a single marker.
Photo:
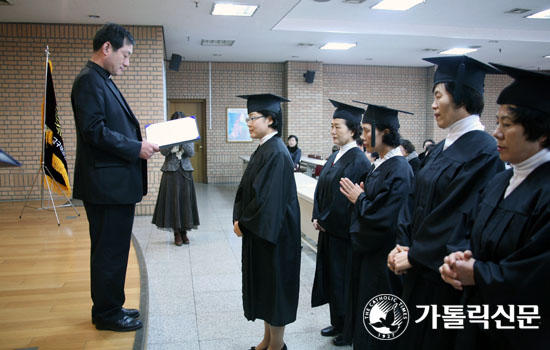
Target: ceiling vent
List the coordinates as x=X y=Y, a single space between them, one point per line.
x=305 y=45
x=355 y=2
x=5 y=2
x=217 y=42
x=517 y=11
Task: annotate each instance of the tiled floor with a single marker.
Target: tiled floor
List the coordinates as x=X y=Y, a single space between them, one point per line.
x=195 y=291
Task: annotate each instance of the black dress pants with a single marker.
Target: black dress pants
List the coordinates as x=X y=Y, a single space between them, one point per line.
x=110 y=234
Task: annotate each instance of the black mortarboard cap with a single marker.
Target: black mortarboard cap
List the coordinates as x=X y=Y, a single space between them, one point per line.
x=348 y=112
x=530 y=89
x=264 y=102
x=376 y=114
x=462 y=70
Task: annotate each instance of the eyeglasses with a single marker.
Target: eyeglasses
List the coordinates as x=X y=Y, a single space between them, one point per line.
x=251 y=119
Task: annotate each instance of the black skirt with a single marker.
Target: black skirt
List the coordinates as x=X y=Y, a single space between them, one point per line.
x=176 y=208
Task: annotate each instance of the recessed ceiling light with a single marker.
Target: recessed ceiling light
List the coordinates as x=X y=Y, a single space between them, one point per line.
x=368 y=59
x=541 y=15
x=430 y=50
x=93 y=16
x=457 y=51
x=517 y=11
x=396 y=5
x=217 y=42
x=233 y=10
x=305 y=44
x=337 y=46
x=354 y=2
x=547 y=56
x=216 y=54
x=321 y=0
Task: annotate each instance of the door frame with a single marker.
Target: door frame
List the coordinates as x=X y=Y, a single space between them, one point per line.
x=203 y=125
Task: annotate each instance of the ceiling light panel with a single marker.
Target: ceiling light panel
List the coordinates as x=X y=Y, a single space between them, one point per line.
x=217 y=42
x=234 y=10
x=337 y=46
x=396 y=5
x=541 y=15
x=458 y=51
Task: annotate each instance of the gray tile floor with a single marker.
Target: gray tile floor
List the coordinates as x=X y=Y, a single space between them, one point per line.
x=195 y=291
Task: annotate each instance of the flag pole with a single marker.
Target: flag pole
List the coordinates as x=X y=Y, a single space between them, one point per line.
x=43 y=169
x=42 y=163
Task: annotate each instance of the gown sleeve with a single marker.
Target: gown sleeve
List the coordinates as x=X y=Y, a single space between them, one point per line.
x=377 y=216
x=523 y=272
x=444 y=229
x=263 y=216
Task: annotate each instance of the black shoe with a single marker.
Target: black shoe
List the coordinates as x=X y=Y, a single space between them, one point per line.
x=134 y=313
x=123 y=324
x=339 y=341
x=330 y=331
x=284 y=347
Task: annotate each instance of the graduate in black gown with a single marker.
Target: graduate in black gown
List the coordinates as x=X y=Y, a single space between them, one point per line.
x=267 y=215
x=447 y=187
x=376 y=201
x=509 y=260
x=331 y=216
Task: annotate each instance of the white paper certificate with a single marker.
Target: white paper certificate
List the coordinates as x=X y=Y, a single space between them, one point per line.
x=173 y=132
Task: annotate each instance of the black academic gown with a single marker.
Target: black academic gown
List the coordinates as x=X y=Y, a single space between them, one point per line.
x=511 y=244
x=373 y=232
x=333 y=212
x=266 y=206
x=434 y=224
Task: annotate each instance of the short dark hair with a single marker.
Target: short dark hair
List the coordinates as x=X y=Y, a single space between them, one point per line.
x=467 y=97
x=293 y=136
x=113 y=33
x=354 y=127
x=277 y=120
x=535 y=123
x=428 y=140
x=178 y=115
x=408 y=146
x=392 y=138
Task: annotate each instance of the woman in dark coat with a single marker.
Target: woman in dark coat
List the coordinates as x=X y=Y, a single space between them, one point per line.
x=376 y=204
x=295 y=151
x=447 y=187
x=176 y=207
x=509 y=260
x=332 y=215
x=267 y=215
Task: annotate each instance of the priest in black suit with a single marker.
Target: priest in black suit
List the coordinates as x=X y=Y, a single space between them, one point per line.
x=110 y=173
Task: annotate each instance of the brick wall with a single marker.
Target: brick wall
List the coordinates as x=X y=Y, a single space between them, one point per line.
x=22 y=86
x=308 y=115
x=228 y=81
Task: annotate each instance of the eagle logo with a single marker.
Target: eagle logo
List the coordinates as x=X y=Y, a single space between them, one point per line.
x=385 y=317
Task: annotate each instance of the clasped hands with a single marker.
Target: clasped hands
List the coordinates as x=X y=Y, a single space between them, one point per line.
x=398 y=260
x=458 y=269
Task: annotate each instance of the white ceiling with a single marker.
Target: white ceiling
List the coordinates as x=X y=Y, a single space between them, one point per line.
x=273 y=34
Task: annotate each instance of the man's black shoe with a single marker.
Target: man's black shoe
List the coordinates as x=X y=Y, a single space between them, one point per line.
x=330 y=331
x=123 y=324
x=339 y=340
x=130 y=312
x=134 y=313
